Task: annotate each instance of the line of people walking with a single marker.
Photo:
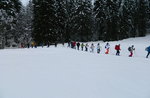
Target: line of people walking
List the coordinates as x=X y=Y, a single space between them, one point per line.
x=91 y=48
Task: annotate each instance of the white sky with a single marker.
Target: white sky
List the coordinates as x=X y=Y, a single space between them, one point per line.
x=24 y=2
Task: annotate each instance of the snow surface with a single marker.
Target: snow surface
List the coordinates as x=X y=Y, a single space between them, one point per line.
x=66 y=73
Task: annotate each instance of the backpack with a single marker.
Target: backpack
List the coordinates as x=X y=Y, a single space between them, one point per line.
x=116 y=47
x=129 y=48
x=147 y=49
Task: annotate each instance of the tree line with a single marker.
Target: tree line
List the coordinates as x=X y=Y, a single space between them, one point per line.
x=49 y=21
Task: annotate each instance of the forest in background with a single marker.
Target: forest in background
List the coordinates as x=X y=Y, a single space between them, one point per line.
x=50 y=21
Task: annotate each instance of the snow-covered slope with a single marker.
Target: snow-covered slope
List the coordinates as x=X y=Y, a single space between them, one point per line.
x=65 y=73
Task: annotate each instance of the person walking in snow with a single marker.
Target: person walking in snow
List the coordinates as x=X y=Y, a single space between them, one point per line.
x=69 y=43
x=107 y=46
x=78 y=45
x=63 y=44
x=82 y=46
x=28 y=45
x=131 y=49
x=117 y=48
x=86 y=47
x=74 y=45
x=98 y=48
x=42 y=44
x=48 y=44
x=33 y=44
x=55 y=44
x=148 y=51
x=92 y=47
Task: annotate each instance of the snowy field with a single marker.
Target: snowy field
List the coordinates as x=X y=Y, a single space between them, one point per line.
x=66 y=73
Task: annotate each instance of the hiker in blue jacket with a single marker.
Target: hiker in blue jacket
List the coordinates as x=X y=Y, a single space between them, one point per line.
x=148 y=51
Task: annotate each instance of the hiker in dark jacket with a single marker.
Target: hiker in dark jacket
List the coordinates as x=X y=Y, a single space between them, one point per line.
x=55 y=44
x=78 y=45
x=148 y=51
x=98 y=48
x=48 y=44
x=28 y=45
x=86 y=47
x=131 y=49
x=69 y=44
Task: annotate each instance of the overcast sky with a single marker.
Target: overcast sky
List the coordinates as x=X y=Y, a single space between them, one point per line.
x=24 y=2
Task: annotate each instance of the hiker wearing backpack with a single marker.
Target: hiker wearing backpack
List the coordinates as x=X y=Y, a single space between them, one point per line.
x=98 y=48
x=131 y=49
x=107 y=46
x=148 y=51
x=117 y=48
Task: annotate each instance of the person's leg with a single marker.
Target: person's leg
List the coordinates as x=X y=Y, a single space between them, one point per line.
x=131 y=54
x=107 y=51
x=147 y=54
x=97 y=50
x=118 y=52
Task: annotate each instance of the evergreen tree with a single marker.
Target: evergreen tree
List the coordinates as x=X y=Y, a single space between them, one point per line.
x=70 y=10
x=83 y=21
x=108 y=19
x=142 y=17
x=61 y=15
x=44 y=23
x=23 y=27
x=29 y=21
x=8 y=11
x=112 y=20
x=148 y=21
x=100 y=17
x=19 y=27
x=127 y=27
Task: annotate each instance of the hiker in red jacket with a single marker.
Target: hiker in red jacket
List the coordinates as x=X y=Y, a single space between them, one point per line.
x=74 y=45
x=117 y=48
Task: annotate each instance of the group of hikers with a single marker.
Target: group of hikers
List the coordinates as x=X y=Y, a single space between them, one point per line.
x=91 y=48
x=79 y=45
x=33 y=44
